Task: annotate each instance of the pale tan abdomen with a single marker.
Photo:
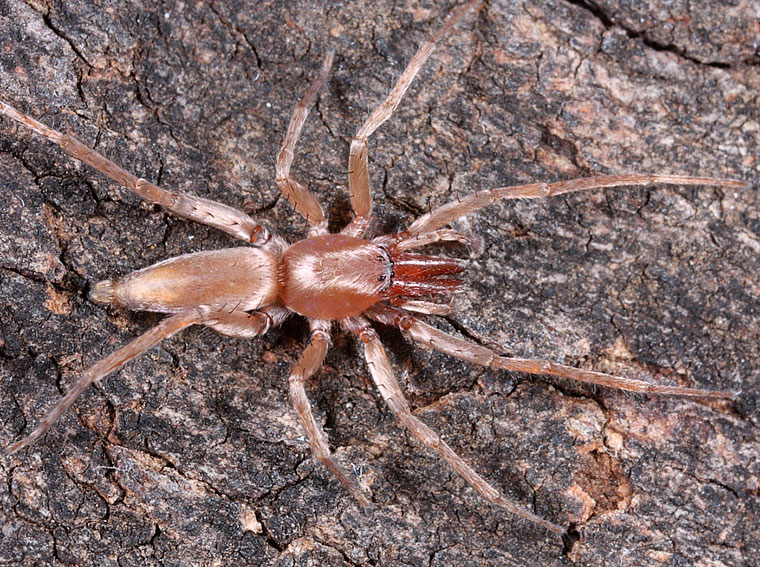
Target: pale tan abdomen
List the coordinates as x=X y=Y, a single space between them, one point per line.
x=234 y=279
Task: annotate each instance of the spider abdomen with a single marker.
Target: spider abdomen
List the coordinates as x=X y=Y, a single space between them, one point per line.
x=232 y=279
x=333 y=276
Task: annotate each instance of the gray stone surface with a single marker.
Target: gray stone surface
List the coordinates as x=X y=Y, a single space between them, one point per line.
x=191 y=455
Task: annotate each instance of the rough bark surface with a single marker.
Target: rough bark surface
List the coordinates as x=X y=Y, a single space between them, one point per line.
x=192 y=455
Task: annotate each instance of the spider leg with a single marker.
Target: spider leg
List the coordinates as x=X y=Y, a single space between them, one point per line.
x=382 y=374
x=419 y=306
x=404 y=242
x=477 y=354
x=309 y=362
x=299 y=196
x=358 y=172
x=112 y=362
x=445 y=214
x=201 y=210
x=244 y=325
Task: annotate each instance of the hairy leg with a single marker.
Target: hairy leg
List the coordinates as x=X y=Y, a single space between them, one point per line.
x=309 y=362
x=382 y=374
x=449 y=212
x=299 y=196
x=358 y=172
x=204 y=211
x=403 y=242
x=244 y=325
x=420 y=306
x=471 y=352
x=111 y=363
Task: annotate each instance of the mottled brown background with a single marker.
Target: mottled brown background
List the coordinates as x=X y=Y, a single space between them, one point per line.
x=192 y=456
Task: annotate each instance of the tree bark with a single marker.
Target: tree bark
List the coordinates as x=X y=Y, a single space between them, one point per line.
x=191 y=455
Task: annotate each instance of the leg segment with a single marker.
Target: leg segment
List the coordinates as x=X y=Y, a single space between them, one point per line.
x=358 y=173
x=451 y=211
x=382 y=374
x=477 y=354
x=299 y=196
x=204 y=211
x=426 y=307
x=403 y=242
x=112 y=362
x=309 y=362
x=244 y=325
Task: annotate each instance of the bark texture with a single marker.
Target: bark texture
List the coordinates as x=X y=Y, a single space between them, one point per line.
x=192 y=455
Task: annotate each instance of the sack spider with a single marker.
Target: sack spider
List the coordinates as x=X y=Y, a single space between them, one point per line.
x=346 y=277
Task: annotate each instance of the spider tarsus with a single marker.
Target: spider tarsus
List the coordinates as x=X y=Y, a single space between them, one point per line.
x=724 y=395
x=38 y=432
x=10 y=449
x=659 y=389
x=360 y=497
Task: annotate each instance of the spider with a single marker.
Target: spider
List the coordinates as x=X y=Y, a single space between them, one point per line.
x=345 y=278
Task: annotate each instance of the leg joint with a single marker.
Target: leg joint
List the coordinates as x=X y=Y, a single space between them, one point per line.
x=320 y=335
x=367 y=335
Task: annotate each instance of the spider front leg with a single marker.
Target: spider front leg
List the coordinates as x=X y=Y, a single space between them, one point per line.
x=358 y=171
x=299 y=196
x=471 y=352
x=309 y=362
x=205 y=211
x=449 y=212
x=382 y=374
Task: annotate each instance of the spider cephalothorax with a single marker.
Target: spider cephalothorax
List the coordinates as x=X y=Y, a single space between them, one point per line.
x=342 y=278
